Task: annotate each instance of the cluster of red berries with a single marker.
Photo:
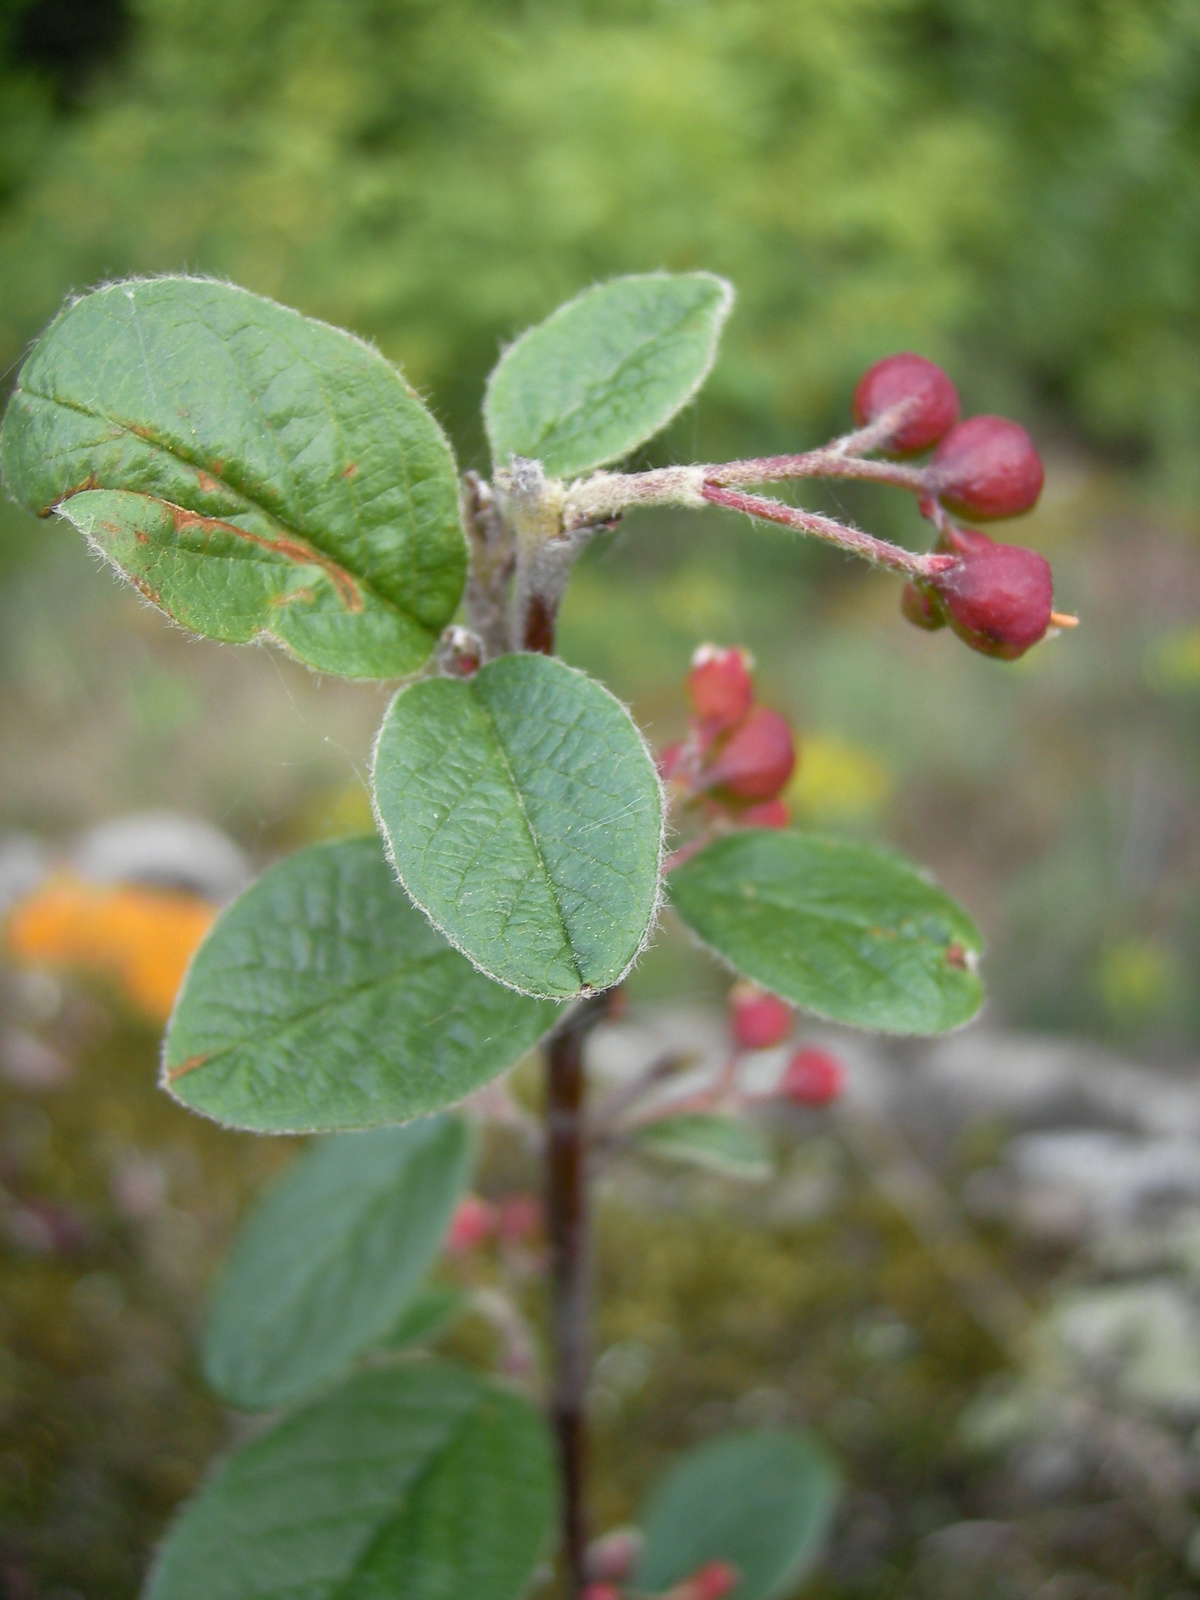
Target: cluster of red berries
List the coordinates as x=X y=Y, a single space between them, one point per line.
x=760 y=1021
x=738 y=755
x=998 y=598
x=515 y=1221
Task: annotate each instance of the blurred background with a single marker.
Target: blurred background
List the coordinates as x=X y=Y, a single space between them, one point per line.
x=1013 y=191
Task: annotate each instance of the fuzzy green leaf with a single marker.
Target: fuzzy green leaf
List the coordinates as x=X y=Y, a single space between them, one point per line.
x=421 y=1482
x=762 y=1501
x=525 y=819
x=846 y=930
x=606 y=371
x=250 y=470
x=326 y=1262
x=721 y=1144
x=322 y=999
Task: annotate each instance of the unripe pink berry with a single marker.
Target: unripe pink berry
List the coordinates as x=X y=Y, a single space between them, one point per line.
x=934 y=401
x=757 y=1020
x=719 y=685
x=812 y=1077
x=612 y=1557
x=766 y=814
x=756 y=759
x=999 y=598
x=988 y=468
x=473 y=1223
x=922 y=607
x=520 y=1218
x=600 y=1591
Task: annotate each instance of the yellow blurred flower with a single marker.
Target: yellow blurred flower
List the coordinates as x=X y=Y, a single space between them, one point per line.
x=140 y=938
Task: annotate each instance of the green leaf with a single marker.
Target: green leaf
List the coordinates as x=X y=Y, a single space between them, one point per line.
x=525 y=819
x=606 y=371
x=323 y=1266
x=427 y=1315
x=848 y=931
x=721 y=1144
x=762 y=1500
x=421 y=1482
x=322 y=999
x=250 y=470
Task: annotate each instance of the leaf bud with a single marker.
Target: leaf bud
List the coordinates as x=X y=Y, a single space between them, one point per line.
x=933 y=401
x=1000 y=597
x=755 y=761
x=988 y=468
x=459 y=652
x=719 y=685
x=812 y=1077
x=757 y=1020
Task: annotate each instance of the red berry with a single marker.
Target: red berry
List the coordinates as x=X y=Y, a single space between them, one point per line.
x=756 y=759
x=719 y=685
x=669 y=760
x=766 y=814
x=757 y=1019
x=1000 y=596
x=988 y=468
x=473 y=1222
x=600 y=1591
x=934 y=408
x=922 y=607
x=812 y=1077
x=713 y=1581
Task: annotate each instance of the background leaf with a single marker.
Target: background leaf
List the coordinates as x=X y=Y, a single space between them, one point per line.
x=847 y=931
x=325 y=1263
x=525 y=818
x=761 y=1500
x=726 y=1145
x=250 y=470
x=606 y=371
x=323 y=999
x=417 y=1483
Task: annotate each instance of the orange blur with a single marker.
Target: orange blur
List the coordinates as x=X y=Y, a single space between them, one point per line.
x=141 y=938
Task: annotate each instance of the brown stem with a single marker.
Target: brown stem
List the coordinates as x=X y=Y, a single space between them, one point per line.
x=570 y=1263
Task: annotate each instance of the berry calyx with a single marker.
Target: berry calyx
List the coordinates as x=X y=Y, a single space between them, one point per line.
x=473 y=1223
x=812 y=1077
x=932 y=408
x=921 y=607
x=999 y=598
x=720 y=687
x=988 y=468
x=757 y=1020
x=756 y=760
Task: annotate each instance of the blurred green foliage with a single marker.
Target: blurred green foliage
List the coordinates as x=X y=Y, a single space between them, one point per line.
x=1012 y=188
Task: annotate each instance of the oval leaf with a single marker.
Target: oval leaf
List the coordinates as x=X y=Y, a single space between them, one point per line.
x=323 y=999
x=250 y=470
x=525 y=819
x=418 y=1483
x=720 y=1144
x=762 y=1501
x=606 y=371
x=847 y=931
x=326 y=1262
